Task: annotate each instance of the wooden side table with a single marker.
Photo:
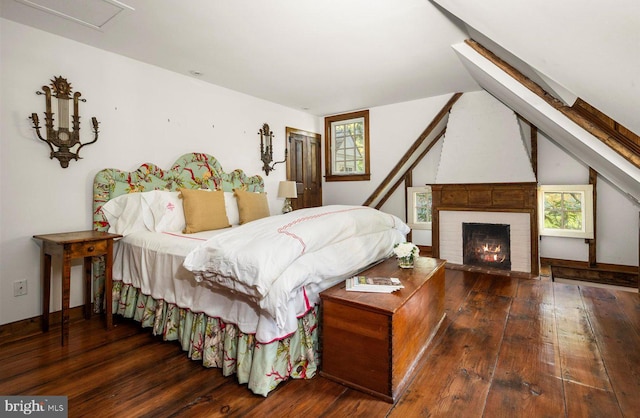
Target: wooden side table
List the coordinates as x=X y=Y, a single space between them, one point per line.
x=70 y=245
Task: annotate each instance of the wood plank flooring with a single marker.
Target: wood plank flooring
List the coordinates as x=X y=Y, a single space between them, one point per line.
x=508 y=347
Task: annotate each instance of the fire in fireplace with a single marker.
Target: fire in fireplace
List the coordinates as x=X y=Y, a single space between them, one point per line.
x=487 y=245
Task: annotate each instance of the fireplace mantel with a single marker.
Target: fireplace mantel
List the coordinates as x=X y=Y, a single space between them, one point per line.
x=488 y=197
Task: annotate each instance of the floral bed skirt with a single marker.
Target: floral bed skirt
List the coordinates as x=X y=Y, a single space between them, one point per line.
x=217 y=344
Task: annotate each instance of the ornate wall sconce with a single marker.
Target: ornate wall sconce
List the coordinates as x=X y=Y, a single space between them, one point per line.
x=266 y=149
x=62 y=138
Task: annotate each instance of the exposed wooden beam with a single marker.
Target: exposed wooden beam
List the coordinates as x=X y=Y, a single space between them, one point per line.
x=534 y=150
x=588 y=124
x=593 y=180
x=408 y=182
x=417 y=143
x=409 y=169
x=613 y=128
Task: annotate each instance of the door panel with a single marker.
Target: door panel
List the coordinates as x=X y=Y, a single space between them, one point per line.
x=314 y=178
x=297 y=171
x=304 y=167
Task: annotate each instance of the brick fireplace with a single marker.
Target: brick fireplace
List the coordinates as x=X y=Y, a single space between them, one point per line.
x=494 y=207
x=486 y=244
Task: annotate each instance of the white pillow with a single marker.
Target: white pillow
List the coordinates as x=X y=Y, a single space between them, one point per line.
x=126 y=214
x=231 y=206
x=166 y=211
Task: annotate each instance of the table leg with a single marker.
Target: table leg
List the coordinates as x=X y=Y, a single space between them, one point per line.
x=66 y=295
x=87 y=287
x=46 y=288
x=108 y=284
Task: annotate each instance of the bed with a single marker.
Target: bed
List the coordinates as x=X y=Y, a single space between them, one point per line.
x=241 y=295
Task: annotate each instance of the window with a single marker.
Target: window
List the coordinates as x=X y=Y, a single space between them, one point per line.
x=347 y=146
x=566 y=211
x=419 y=207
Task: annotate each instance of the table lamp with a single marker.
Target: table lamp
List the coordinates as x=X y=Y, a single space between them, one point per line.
x=287 y=190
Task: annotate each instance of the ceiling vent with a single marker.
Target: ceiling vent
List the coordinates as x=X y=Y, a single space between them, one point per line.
x=92 y=13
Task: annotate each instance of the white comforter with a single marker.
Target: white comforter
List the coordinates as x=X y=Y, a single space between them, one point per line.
x=273 y=258
x=316 y=249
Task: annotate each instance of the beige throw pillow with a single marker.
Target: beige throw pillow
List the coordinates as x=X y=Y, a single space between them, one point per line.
x=203 y=210
x=251 y=205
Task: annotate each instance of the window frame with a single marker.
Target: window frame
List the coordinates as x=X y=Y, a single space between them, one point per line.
x=412 y=215
x=586 y=191
x=330 y=147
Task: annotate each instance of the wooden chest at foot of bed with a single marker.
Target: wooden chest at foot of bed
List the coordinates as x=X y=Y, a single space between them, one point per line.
x=373 y=341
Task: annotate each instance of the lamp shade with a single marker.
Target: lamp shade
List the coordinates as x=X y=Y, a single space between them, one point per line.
x=287 y=189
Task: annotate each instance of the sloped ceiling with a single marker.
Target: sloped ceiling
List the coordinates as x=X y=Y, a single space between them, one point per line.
x=587 y=48
x=567 y=134
x=568 y=61
x=333 y=56
x=324 y=57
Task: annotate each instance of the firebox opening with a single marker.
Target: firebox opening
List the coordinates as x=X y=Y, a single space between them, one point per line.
x=486 y=245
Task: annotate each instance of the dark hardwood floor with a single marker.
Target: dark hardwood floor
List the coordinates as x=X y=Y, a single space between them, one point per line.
x=508 y=347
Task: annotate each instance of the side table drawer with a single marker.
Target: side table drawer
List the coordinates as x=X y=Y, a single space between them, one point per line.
x=86 y=249
x=67 y=246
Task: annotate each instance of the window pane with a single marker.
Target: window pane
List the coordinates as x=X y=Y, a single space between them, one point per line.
x=349 y=147
x=419 y=204
x=572 y=201
x=552 y=201
x=347 y=132
x=421 y=199
x=423 y=207
x=563 y=210
x=566 y=210
x=553 y=219
x=573 y=220
x=422 y=215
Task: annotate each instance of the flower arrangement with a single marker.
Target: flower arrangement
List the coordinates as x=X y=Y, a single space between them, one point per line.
x=406 y=252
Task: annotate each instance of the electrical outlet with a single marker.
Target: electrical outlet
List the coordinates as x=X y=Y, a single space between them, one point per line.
x=20 y=288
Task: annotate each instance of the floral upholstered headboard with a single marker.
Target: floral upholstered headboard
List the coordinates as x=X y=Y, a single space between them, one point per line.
x=191 y=171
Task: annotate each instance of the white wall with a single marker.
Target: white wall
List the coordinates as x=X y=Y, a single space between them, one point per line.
x=392 y=130
x=146 y=114
x=483 y=143
x=616 y=219
x=395 y=127
x=555 y=166
x=616 y=227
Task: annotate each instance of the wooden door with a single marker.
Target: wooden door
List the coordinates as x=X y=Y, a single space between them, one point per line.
x=304 y=167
